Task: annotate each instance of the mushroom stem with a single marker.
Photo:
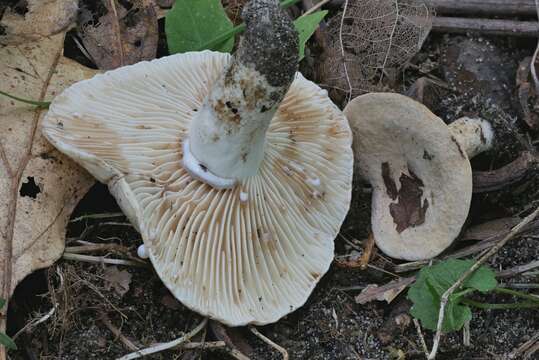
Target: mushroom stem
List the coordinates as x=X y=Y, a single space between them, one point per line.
x=227 y=136
x=472 y=134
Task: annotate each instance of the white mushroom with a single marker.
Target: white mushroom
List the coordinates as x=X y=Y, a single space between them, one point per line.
x=194 y=148
x=419 y=169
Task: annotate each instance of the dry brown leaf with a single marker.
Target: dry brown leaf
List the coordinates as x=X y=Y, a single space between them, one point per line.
x=387 y=292
x=33 y=218
x=121 y=36
x=119 y=280
x=42 y=18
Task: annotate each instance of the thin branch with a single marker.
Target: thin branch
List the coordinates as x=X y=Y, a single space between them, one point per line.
x=347 y=76
x=117 y=333
x=102 y=260
x=269 y=342
x=32 y=324
x=474 y=267
x=315 y=7
x=421 y=337
x=166 y=346
x=97 y=216
x=518 y=269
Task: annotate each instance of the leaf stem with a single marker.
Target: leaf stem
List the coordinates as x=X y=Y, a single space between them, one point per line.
x=517 y=293
x=39 y=104
x=237 y=29
x=488 y=306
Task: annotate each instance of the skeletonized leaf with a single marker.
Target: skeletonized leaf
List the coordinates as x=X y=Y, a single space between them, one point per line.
x=39 y=18
x=39 y=186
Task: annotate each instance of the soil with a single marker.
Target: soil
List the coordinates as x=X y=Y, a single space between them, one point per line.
x=331 y=325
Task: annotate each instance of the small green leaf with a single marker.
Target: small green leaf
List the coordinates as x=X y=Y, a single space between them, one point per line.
x=431 y=284
x=306 y=26
x=7 y=342
x=193 y=23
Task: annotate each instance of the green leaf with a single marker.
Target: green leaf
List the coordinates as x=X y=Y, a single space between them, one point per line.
x=7 y=342
x=306 y=26
x=192 y=23
x=433 y=281
x=2 y=303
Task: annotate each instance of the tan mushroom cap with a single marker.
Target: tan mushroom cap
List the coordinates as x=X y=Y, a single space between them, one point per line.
x=420 y=174
x=250 y=254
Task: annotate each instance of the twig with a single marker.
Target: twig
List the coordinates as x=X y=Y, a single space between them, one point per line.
x=484 y=181
x=348 y=82
x=524 y=347
x=269 y=342
x=518 y=269
x=116 y=332
x=534 y=56
x=97 y=216
x=466 y=333
x=315 y=7
x=485 y=26
x=421 y=337
x=485 y=243
x=475 y=266
x=484 y=7
x=96 y=247
x=166 y=346
x=32 y=324
x=475 y=7
x=202 y=345
x=102 y=260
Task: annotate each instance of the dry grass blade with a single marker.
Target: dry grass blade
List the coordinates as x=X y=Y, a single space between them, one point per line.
x=166 y=346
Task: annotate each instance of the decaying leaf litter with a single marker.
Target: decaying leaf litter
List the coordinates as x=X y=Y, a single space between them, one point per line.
x=331 y=325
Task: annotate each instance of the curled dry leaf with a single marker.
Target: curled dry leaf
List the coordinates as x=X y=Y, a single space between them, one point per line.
x=121 y=36
x=39 y=186
x=34 y=19
x=387 y=292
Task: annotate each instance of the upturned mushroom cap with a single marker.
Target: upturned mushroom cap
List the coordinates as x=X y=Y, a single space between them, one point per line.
x=419 y=171
x=249 y=254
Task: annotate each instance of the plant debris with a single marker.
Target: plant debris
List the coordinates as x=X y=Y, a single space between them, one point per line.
x=124 y=34
x=31 y=20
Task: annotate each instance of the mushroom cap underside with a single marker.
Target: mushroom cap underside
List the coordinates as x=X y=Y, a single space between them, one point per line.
x=420 y=175
x=250 y=254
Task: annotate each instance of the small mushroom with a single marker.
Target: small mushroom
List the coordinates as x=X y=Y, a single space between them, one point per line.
x=236 y=170
x=419 y=169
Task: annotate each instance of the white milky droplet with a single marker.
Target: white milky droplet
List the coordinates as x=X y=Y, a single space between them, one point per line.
x=244 y=197
x=142 y=252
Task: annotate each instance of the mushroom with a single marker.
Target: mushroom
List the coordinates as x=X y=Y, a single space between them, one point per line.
x=419 y=170
x=236 y=170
